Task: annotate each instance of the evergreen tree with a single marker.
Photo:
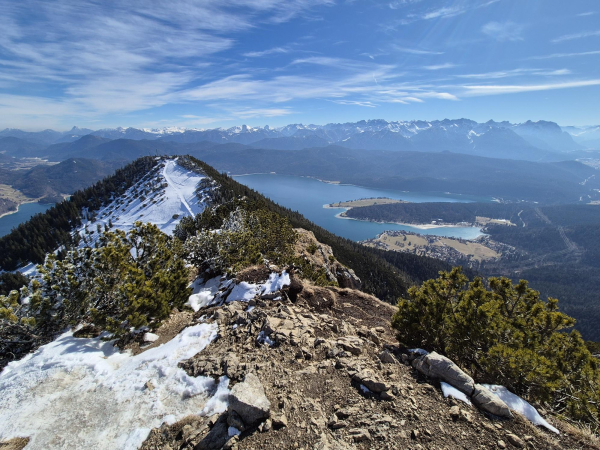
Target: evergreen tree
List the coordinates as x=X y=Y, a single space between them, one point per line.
x=503 y=333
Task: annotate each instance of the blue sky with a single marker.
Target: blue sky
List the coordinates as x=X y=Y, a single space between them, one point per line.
x=217 y=63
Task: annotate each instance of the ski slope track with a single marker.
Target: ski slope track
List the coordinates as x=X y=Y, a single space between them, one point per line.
x=162 y=198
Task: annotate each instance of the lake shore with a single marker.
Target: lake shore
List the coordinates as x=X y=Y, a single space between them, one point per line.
x=420 y=226
x=16 y=210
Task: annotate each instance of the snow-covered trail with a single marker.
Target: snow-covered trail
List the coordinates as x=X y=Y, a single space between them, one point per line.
x=177 y=186
x=81 y=393
x=162 y=200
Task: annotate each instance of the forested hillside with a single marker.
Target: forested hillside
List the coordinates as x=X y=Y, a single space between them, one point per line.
x=556 y=246
x=46 y=232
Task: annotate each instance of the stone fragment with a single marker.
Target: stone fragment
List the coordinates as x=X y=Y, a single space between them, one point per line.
x=455 y=412
x=371 y=381
x=515 y=440
x=439 y=367
x=501 y=444
x=387 y=357
x=359 y=434
x=488 y=402
x=279 y=421
x=351 y=344
x=248 y=399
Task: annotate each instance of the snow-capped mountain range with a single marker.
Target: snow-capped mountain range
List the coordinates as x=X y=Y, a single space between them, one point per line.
x=534 y=141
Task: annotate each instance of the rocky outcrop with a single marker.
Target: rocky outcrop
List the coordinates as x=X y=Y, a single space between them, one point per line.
x=323 y=371
x=439 y=367
x=321 y=255
x=488 y=402
x=248 y=400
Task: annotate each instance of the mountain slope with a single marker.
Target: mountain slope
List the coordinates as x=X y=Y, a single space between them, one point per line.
x=80 y=148
x=64 y=178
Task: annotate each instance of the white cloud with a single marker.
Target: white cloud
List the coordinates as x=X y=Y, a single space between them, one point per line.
x=416 y=51
x=566 y=55
x=570 y=37
x=515 y=72
x=447 y=11
x=271 y=51
x=440 y=66
x=355 y=103
x=512 y=89
x=503 y=31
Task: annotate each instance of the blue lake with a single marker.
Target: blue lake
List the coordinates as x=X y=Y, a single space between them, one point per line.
x=307 y=196
x=25 y=212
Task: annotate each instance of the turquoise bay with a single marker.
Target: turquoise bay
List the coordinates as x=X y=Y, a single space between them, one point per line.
x=308 y=196
x=25 y=212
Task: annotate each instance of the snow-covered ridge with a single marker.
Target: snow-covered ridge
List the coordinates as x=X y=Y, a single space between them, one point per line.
x=162 y=197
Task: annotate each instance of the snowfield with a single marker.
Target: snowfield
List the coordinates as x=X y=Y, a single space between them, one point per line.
x=82 y=393
x=170 y=195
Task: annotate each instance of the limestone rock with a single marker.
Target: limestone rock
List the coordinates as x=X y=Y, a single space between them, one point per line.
x=371 y=381
x=359 y=434
x=279 y=421
x=248 y=399
x=488 y=402
x=351 y=344
x=515 y=440
x=439 y=367
x=387 y=357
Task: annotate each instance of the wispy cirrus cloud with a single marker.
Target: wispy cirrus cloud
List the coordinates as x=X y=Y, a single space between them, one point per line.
x=355 y=103
x=513 y=89
x=271 y=51
x=503 y=31
x=444 y=12
x=566 y=55
x=514 y=73
x=570 y=37
x=118 y=57
x=415 y=51
x=440 y=66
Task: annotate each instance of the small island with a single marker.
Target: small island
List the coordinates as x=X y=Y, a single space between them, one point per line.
x=364 y=202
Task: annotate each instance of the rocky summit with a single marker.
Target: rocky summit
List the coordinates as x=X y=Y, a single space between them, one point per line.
x=319 y=368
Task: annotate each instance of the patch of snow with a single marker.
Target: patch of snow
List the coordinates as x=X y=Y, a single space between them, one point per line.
x=519 y=405
x=233 y=431
x=275 y=282
x=150 y=337
x=203 y=293
x=84 y=393
x=451 y=391
x=243 y=292
x=365 y=389
x=219 y=402
x=262 y=338
x=250 y=308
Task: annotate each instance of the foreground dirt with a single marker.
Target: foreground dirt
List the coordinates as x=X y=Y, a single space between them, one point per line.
x=327 y=344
